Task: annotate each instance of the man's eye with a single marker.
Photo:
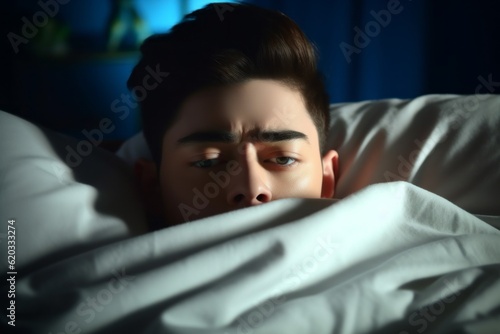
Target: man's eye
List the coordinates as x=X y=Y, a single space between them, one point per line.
x=284 y=161
x=206 y=163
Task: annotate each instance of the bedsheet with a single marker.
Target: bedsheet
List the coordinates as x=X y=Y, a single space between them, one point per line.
x=391 y=258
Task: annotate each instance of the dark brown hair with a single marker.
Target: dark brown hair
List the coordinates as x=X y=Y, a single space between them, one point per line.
x=223 y=44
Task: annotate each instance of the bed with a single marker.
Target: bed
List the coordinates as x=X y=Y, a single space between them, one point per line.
x=409 y=244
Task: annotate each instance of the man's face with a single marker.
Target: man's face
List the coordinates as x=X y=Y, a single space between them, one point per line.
x=241 y=145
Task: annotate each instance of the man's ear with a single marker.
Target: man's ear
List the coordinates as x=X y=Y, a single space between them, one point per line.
x=330 y=170
x=148 y=184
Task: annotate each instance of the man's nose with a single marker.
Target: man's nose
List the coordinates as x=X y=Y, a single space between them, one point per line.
x=250 y=186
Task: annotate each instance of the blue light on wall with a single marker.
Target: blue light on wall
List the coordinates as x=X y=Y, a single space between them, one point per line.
x=160 y=15
x=90 y=17
x=196 y=4
x=72 y=91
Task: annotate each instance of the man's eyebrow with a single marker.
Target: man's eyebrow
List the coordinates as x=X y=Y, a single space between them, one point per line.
x=278 y=135
x=268 y=136
x=209 y=136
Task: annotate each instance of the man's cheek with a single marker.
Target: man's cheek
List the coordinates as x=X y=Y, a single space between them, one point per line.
x=190 y=189
x=303 y=183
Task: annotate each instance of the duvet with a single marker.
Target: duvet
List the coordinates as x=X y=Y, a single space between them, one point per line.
x=391 y=258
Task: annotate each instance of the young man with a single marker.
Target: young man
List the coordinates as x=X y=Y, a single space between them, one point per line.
x=239 y=119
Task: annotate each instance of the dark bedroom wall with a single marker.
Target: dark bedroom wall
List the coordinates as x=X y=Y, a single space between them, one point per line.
x=72 y=91
x=463 y=45
x=424 y=47
x=427 y=47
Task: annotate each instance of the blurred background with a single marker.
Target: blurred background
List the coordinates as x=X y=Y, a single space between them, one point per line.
x=65 y=63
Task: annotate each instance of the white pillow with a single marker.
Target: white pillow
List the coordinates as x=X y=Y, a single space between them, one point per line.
x=447 y=144
x=133 y=149
x=58 y=203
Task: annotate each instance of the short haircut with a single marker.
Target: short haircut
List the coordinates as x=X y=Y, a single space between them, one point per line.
x=211 y=47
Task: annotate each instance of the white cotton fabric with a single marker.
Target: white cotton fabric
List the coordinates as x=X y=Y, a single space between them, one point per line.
x=391 y=258
x=447 y=144
x=57 y=206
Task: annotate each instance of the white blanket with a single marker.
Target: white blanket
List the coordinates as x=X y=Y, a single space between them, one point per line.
x=391 y=258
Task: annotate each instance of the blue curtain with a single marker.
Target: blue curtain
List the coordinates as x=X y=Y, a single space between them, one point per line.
x=387 y=48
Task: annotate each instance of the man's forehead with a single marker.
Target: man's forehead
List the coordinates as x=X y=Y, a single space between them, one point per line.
x=263 y=98
x=253 y=107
